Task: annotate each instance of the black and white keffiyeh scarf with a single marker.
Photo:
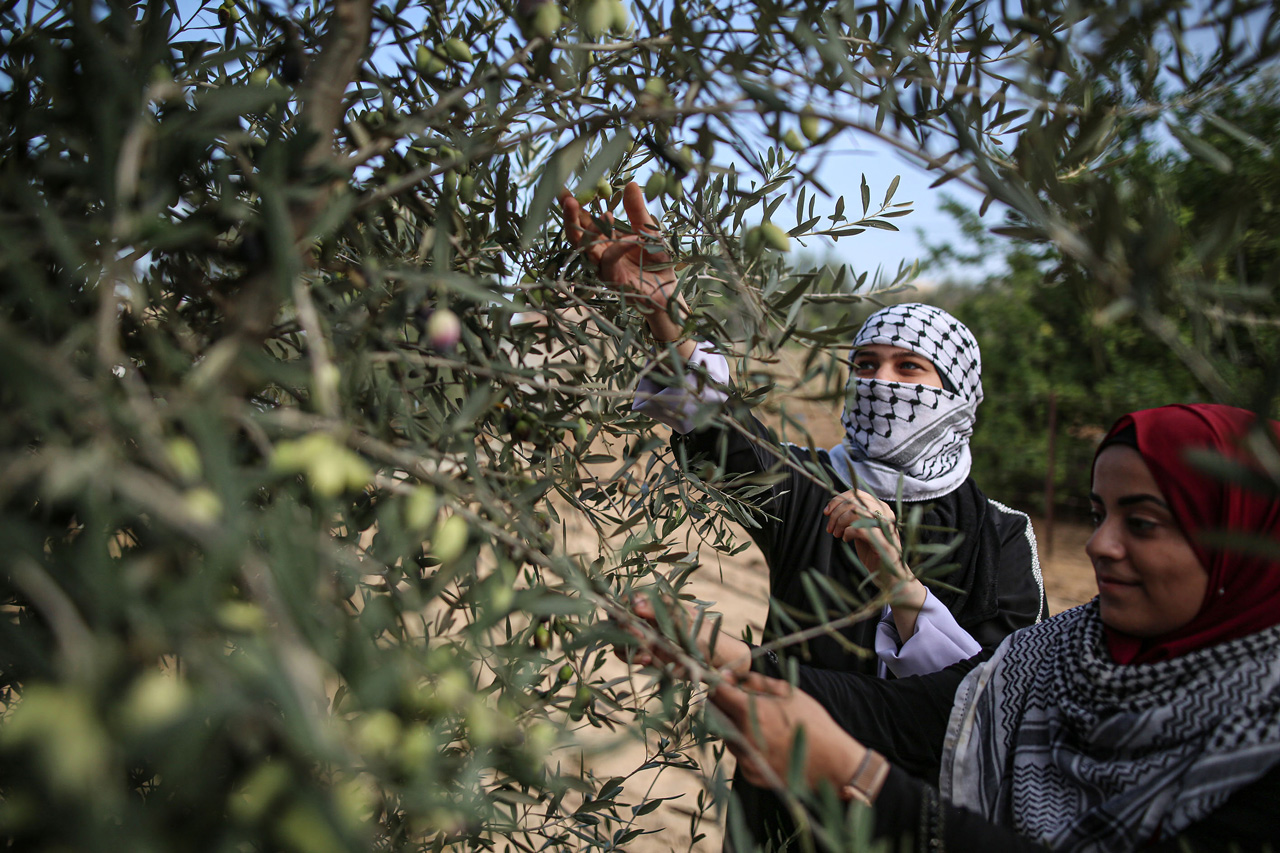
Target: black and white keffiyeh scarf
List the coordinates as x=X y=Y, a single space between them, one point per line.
x=905 y=432
x=1054 y=739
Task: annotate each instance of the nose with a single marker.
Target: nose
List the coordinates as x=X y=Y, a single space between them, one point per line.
x=886 y=372
x=1104 y=544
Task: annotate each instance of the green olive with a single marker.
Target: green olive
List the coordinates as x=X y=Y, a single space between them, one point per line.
x=547 y=20
x=619 y=17
x=428 y=61
x=466 y=188
x=810 y=126
x=457 y=50
x=774 y=237
x=655 y=186
x=596 y=18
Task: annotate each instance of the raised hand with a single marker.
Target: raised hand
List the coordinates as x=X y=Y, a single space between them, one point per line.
x=631 y=256
x=880 y=550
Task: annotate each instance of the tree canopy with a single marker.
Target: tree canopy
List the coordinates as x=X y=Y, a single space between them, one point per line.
x=302 y=382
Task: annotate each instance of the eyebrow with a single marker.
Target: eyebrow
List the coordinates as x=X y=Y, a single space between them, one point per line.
x=1130 y=500
x=897 y=356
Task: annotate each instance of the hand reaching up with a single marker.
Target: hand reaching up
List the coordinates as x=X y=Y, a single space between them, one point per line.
x=631 y=256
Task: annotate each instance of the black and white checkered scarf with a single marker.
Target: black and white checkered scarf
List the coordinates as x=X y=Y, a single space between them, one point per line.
x=905 y=432
x=1054 y=739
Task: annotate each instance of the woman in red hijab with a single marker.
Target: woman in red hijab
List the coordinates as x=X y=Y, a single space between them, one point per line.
x=1149 y=717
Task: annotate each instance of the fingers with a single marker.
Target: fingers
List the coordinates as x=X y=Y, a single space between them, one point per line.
x=572 y=213
x=754 y=682
x=637 y=210
x=732 y=701
x=838 y=522
x=580 y=229
x=848 y=507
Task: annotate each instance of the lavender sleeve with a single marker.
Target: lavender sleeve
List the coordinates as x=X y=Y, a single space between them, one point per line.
x=704 y=382
x=937 y=643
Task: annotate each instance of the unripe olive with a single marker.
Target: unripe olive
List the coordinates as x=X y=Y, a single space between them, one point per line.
x=775 y=238
x=450 y=539
x=792 y=140
x=184 y=457
x=202 y=505
x=675 y=188
x=260 y=77
x=444 y=330
x=228 y=13
x=604 y=189
x=565 y=673
x=656 y=86
x=596 y=18
x=427 y=61
x=524 y=429
x=457 y=50
x=541 y=638
x=619 y=17
x=547 y=20
x=655 y=186
x=753 y=241
x=377 y=733
x=585 y=194
x=810 y=126
x=156 y=700
x=466 y=188
x=327 y=475
x=420 y=509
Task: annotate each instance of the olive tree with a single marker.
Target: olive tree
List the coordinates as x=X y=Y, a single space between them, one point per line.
x=304 y=388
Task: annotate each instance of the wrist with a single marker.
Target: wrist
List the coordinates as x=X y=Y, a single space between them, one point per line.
x=730 y=653
x=913 y=594
x=665 y=332
x=867 y=779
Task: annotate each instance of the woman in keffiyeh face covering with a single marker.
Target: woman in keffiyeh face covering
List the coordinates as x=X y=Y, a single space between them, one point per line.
x=1146 y=719
x=913 y=393
x=827 y=526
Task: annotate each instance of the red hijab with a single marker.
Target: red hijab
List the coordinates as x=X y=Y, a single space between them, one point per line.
x=1244 y=588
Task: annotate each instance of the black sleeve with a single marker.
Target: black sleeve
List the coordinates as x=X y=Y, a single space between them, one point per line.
x=909 y=809
x=1019 y=582
x=741 y=453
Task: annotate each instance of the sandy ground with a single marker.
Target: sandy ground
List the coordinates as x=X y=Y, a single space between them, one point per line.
x=739 y=587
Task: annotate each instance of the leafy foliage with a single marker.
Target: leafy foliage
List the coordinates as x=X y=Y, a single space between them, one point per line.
x=303 y=385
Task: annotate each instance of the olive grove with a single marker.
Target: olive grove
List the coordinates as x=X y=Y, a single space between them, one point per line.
x=302 y=383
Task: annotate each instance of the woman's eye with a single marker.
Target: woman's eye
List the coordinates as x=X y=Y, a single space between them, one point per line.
x=1140 y=525
x=1095 y=518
